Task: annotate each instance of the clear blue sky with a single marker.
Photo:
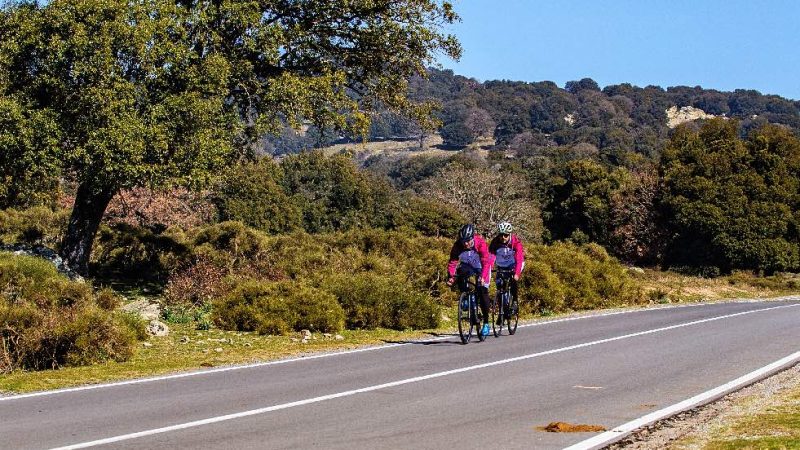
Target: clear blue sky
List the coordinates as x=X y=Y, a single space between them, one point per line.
x=717 y=44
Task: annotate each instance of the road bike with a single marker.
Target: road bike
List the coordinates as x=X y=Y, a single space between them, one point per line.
x=469 y=315
x=504 y=308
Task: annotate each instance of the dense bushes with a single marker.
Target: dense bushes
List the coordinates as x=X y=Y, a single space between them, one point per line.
x=130 y=252
x=318 y=193
x=732 y=203
x=47 y=321
x=372 y=301
x=38 y=225
x=381 y=278
x=251 y=193
x=565 y=277
x=277 y=308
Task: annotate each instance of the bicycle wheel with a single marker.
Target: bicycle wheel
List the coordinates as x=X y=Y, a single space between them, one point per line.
x=497 y=315
x=513 y=315
x=478 y=318
x=464 y=319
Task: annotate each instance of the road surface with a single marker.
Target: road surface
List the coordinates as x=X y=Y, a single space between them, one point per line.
x=604 y=369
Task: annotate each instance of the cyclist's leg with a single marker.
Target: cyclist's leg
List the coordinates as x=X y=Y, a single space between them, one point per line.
x=462 y=275
x=515 y=284
x=483 y=297
x=514 y=288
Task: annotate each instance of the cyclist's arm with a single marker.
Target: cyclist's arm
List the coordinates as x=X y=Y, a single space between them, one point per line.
x=519 y=256
x=486 y=258
x=453 y=262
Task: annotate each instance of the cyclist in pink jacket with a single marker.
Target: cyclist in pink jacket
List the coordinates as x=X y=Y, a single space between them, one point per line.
x=470 y=256
x=508 y=255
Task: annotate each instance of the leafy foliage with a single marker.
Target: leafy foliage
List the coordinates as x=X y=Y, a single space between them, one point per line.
x=47 y=321
x=162 y=92
x=38 y=225
x=564 y=277
x=581 y=202
x=277 y=308
x=732 y=203
x=253 y=195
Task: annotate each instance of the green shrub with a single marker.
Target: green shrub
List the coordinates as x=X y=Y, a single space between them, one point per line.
x=128 y=252
x=419 y=214
x=251 y=193
x=38 y=225
x=541 y=290
x=47 y=321
x=566 y=277
x=277 y=308
x=371 y=301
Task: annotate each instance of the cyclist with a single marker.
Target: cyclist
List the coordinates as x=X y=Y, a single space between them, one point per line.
x=508 y=254
x=470 y=256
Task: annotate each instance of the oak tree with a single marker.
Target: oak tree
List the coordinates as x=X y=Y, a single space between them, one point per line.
x=160 y=92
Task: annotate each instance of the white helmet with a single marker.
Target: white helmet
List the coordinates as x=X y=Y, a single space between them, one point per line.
x=504 y=228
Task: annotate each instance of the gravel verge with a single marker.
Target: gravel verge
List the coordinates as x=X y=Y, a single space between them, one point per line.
x=692 y=429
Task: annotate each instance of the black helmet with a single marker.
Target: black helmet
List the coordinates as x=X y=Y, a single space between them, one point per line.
x=466 y=232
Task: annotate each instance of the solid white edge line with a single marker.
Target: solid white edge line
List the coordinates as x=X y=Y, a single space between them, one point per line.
x=314 y=356
x=358 y=350
x=620 y=432
x=238 y=415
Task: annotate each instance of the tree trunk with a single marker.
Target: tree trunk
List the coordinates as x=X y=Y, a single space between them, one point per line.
x=90 y=204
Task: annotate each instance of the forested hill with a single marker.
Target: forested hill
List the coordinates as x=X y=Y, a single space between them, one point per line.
x=617 y=118
x=616 y=121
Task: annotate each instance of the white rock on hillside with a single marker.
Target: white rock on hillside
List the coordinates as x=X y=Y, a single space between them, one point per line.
x=156 y=328
x=677 y=116
x=145 y=309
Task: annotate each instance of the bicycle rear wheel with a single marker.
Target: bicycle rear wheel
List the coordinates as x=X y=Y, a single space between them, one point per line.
x=465 y=326
x=497 y=317
x=513 y=316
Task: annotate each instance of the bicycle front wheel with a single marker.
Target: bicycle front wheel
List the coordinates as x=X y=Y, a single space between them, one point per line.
x=497 y=316
x=465 y=326
x=476 y=313
x=513 y=316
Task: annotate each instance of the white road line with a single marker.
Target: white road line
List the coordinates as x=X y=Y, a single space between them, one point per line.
x=253 y=412
x=608 y=437
x=309 y=357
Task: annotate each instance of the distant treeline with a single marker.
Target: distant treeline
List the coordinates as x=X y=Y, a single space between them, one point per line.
x=618 y=121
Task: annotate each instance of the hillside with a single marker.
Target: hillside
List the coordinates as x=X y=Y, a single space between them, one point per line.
x=621 y=122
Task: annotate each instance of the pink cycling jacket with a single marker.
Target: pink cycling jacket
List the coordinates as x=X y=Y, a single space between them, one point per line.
x=513 y=249
x=481 y=250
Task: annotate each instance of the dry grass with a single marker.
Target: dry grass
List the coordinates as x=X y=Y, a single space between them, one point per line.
x=188 y=349
x=432 y=146
x=671 y=287
x=758 y=420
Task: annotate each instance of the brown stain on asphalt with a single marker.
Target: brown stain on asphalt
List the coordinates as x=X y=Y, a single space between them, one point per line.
x=564 y=427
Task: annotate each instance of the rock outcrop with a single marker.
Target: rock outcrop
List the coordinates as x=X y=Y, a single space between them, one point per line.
x=677 y=116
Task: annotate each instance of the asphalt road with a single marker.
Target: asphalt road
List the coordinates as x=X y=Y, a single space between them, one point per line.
x=603 y=370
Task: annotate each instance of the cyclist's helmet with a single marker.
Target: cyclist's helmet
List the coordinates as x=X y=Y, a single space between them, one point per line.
x=466 y=233
x=504 y=228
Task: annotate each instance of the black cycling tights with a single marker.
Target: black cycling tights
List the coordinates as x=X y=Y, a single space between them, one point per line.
x=483 y=296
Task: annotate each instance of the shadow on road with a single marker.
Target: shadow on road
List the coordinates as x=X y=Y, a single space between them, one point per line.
x=435 y=340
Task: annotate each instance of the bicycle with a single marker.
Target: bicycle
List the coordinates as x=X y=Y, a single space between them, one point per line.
x=469 y=315
x=505 y=308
